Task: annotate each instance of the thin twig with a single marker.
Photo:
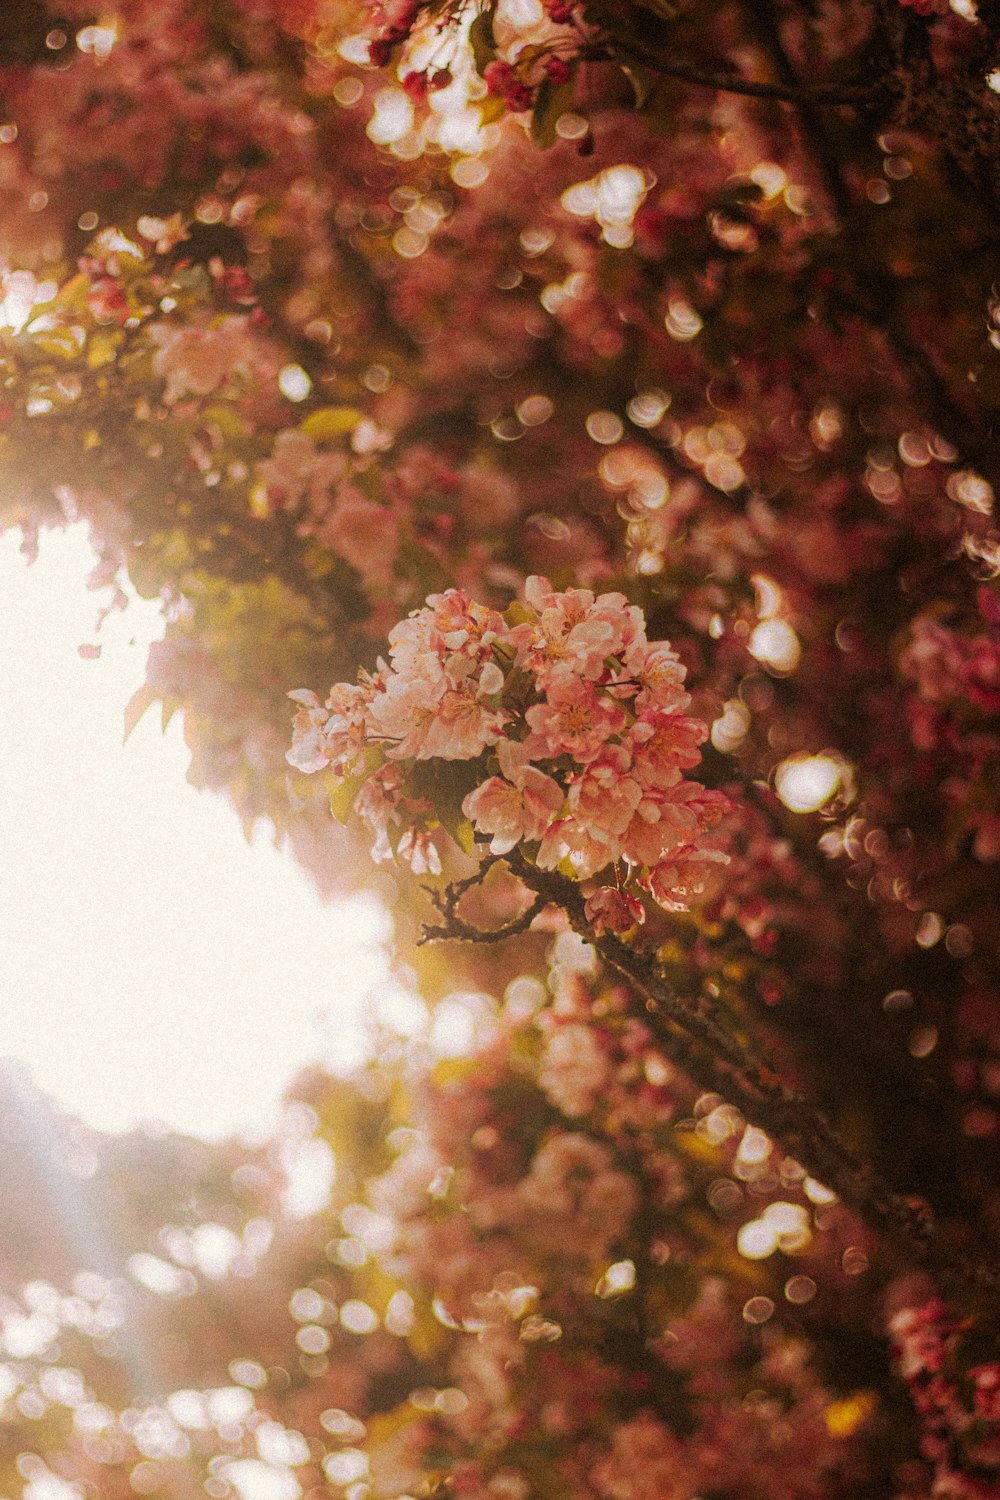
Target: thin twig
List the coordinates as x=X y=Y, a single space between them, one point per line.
x=454 y=929
x=731 y=83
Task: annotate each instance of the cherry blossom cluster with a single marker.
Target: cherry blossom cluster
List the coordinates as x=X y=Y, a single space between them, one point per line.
x=953 y=712
x=960 y=1416
x=526 y=46
x=574 y=728
x=511 y=1204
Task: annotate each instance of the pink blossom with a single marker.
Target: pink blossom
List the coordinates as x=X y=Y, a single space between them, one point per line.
x=501 y=79
x=196 y=361
x=298 y=470
x=332 y=735
x=378 y=803
x=601 y=803
x=646 y=1462
x=575 y=630
x=574 y=1068
x=663 y=744
x=573 y=720
x=418 y=849
x=461 y=726
x=403 y=711
x=674 y=881
x=451 y=622
x=660 y=673
x=668 y=819
x=365 y=534
x=611 y=910
x=578 y=1198
x=520 y=807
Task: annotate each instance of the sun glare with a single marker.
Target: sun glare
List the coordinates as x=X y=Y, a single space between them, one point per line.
x=154 y=965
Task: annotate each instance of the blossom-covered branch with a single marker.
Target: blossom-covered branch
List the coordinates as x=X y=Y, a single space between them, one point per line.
x=569 y=730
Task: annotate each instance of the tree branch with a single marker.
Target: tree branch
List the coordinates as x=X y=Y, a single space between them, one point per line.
x=454 y=929
x=718 y=1060
x=730 y=83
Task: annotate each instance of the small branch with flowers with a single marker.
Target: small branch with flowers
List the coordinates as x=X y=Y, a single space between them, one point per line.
x=556 y=736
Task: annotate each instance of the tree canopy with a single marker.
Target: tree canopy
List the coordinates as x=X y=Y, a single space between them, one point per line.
x=587 y=413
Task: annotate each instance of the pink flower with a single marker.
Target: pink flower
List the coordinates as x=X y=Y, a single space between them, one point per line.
x=521 y=807
x=661 y=824
x=575 y=630
x=107 y=301
x=611 y=910
x=601 y=803
x=501 y=79
x=366 y=535
x=578 y=1200
x=298 y=470
x=674 y=881
x=196 y=361
x=669 y=819
x=647 y=1462
x=660 y=674
x=574 y=1069
x=461 y=726
x=378 y=803
x=405 y=708
x=664 y=743
x=573 y=720
x=417 y=849
x=452 y=625
x=309 y=751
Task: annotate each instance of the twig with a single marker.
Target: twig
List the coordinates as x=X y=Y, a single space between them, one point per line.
x=730 y=83
x=455 y=928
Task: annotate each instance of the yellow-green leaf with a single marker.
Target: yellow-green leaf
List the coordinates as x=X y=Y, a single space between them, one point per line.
x=465 y=837
x=330 y=422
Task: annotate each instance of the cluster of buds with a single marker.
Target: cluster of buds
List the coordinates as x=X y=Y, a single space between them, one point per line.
x=564 y=731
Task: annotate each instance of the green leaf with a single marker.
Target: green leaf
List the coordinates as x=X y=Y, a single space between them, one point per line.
x=465 y=837
x=226 y=419
x=552 y=101
x=517 y=613
x=330 y=422
x=492 y=108
x=446 y=784
x=481 y=39
x=343 y=797
x=58 y=343
x=344 y=794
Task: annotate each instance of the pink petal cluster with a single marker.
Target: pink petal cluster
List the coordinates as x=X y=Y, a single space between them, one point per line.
x=197 y=361
x=574 y=725
x=959 y=1407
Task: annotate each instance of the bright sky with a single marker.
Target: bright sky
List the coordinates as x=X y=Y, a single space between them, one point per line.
x=152 y=964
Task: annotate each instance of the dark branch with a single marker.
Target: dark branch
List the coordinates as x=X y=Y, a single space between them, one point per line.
x=718 y=1060
x=730 y=83
x=455 y=928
